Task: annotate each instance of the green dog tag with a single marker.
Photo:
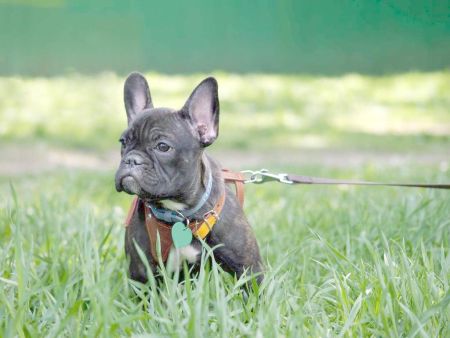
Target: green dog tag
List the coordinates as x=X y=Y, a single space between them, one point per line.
x=181 y=235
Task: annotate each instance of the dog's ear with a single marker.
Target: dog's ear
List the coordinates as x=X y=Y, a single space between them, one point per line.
x=202 y=108
x=136 y=95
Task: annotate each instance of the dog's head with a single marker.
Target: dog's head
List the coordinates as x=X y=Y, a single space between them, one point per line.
x=162 y=148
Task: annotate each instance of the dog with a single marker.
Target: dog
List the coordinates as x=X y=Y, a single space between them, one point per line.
x=182 y=199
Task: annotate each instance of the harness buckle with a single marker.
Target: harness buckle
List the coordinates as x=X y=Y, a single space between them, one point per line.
x=208 y=214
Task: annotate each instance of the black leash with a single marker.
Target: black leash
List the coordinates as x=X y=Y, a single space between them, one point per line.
x=263 y=176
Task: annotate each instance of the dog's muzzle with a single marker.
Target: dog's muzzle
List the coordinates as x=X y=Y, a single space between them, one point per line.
x=130 y=185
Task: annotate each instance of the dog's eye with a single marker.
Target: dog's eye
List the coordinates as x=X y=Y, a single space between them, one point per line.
x=163 y=147
x=122 y=142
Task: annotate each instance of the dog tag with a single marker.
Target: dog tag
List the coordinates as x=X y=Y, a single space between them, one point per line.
x=181 y=235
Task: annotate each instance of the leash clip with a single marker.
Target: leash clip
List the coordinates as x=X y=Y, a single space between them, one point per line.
x=263 y=176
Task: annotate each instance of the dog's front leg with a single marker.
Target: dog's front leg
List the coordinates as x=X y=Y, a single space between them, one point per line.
x=136 y=235
x=234 y=262
x=237 y=249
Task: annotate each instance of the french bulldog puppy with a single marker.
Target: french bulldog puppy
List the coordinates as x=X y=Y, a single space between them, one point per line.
x=164 y=164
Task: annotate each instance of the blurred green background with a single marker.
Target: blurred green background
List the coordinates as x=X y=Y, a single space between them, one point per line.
x=328 y=37
x=350 y=76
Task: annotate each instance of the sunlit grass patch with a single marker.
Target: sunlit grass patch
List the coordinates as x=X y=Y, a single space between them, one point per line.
x=256 y=110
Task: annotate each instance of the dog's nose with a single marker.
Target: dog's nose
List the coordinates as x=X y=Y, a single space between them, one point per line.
x=133 y=159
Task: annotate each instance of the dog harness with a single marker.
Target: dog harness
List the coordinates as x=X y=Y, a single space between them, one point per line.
x=159 y=222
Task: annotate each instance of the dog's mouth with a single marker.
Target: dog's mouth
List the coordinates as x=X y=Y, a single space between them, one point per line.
x=130 y=185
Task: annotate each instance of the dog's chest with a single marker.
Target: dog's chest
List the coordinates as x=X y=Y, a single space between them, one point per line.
x=189 y=253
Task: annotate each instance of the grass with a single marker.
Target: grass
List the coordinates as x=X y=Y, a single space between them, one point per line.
x=340 y=261
x=349 y=112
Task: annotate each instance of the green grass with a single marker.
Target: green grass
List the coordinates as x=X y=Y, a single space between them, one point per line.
x=349 y=112
x=340 y=261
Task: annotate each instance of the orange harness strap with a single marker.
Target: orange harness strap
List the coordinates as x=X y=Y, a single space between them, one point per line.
x=238 y=179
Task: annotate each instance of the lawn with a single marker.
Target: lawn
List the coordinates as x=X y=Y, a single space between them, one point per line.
x=400 y=112
x=341 y=261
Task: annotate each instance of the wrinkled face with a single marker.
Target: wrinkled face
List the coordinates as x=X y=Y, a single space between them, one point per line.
x=159 y=151
x=162 y=148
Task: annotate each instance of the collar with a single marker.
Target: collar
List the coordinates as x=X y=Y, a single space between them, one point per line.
x=171 y=216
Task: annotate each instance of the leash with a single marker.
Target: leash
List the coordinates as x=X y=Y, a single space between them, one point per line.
x=172 y=231
x=264 y=176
